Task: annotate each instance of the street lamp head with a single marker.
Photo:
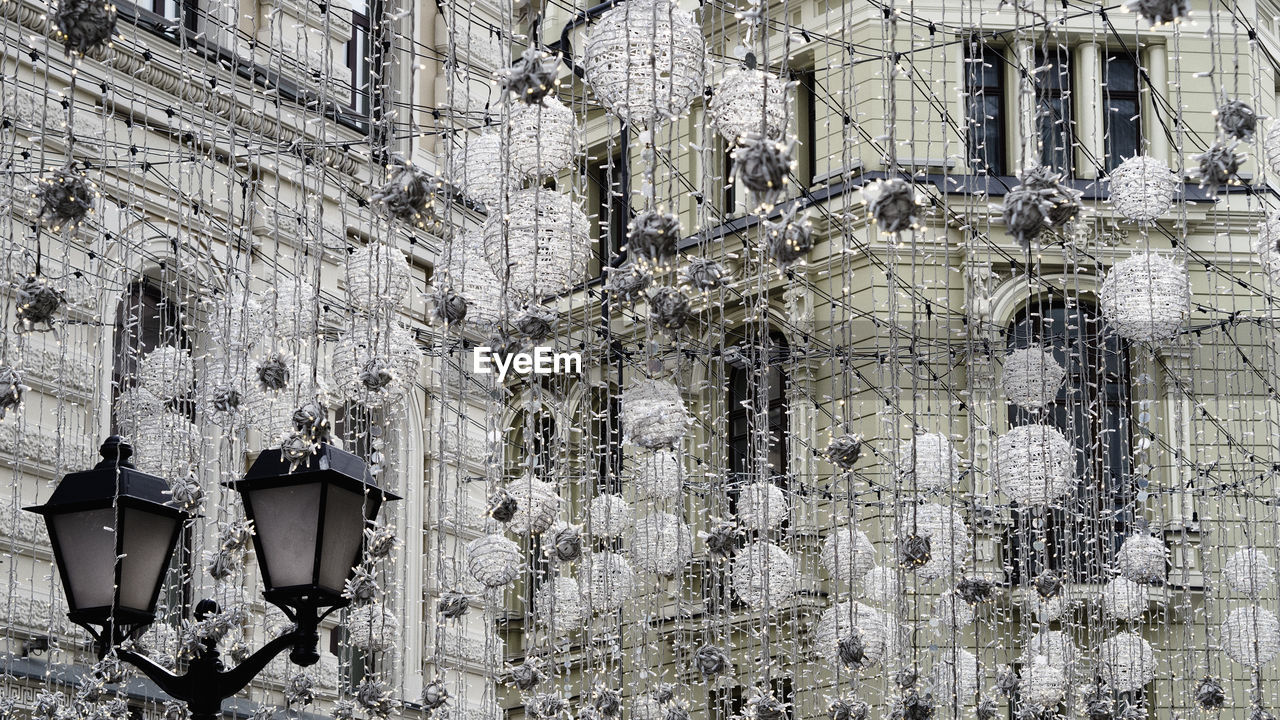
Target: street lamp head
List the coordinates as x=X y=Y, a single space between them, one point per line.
x=113 y=530
x=309 y=520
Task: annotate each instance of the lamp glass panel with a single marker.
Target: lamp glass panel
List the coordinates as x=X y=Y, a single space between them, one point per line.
x=87 y=547
x=285 y=520
x=344 y=521
x=148 y=542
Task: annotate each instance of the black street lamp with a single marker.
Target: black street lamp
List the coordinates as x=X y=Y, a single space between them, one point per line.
x=113 y=531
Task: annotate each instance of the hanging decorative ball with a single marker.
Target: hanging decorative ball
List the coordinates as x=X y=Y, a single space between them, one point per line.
x=1064 y=200
x=644 y=61
x=563 y=543
x=372 y=628
x=712 y=662
x=610 y=516
x=914 y=551
x=748 y=101
x=956 y=676
x=66 y=197
x=290 y=310
x=558 y=605
x=434 y=695
x=847 y=554
x=949 y=541
x=494 y=561
x=1054 y=646
x=669 y=309
x=272 y=373
x=1210 y=694
x=931 y=461
x=410 y=196
x=1031 y=377
x=446 y=307
x=1047 y=584
x=1026 y=212
x=627 y=283
x=763 y=575
x=537 y=505
x=842 y=620
x=167 y=444
x=975 y=590
x=543 y=138
x=1142 y=188
x=132 y=406
x=85 y=25
x=11 y=390
x=658 y=474
x=1048 y=609
x=540 y=245
x=1146 y=297
x=1159 y=12
x=37 y=302
x=1251 y=636
x=453 y=604
x=1043 y=684
x=465 y=269
x=722 y=540
x=1249 y=572
x=377 y=276
x=610 y=581
x=375 y=364
x=479 y=169
x=660 y=543
x=607 y=701
x=880 y=585
x=892 y=204
x=761 y=165
x=653 y=414
x=1237 y=120
x=1124 y=599
x=848 y=708
x=234 y=321
x=547 y=707
x=952 y=611
x=1035 y=464
x=1127 y=663
x=705 y=275
x=788 y=241
x=1143 y=559
x=653 y=238
x=762 y=506
x=1267 y=245
x=844 y=450
x=527 y=675
x=536 y=322
x=1218 y=165
x=532 y=78
x=166 y=372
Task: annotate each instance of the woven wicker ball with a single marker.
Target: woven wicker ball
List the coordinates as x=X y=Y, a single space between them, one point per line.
x=956 y=676
x=1053 y=645
x=540 y=245
x=644 y=60
x=762 y=506
x=477 y=167
x=270 y=412
x=132 y=406
x=609 y=516
x=952 y=612
x=233 y=321
x=558 y=606
x=466 y=270
x=1142 y=188
x=1143 y=559
x=609 y=581
x=290 y=309
x=839 y=620
x=1031 y=377
x=743 y=99
x=1267 y=247
x=949 y=540
x=373 y=627
x=880 y=585
x=1146 y=297
x=1251 y=636
x=1249 y=572
x=1124 y=599
x=847 y=554
x=1126 y=662
x=494 y=561
x=543 y=139
x=377 y=277
x=658 y=475
x=763 y=575
x=537 y=505
x=1034 y=464
x=166 y=372
x=660 y=543
x=374 y=363
x=931 y=460
x=1043 y=684
x=1048 y=609
x=653 y=414
x=167 y=444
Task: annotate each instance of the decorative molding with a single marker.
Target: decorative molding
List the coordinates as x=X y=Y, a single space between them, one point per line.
x=45 y=450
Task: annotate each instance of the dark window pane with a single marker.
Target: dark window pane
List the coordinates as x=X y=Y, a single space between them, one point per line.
x=985 y=121
x=1054 y=119
x=1123 y=136
x=1122 y=74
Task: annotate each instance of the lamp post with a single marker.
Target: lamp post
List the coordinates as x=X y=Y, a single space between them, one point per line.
x=113 y=531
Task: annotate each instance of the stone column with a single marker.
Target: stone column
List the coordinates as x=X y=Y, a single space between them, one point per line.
x=1088 y=106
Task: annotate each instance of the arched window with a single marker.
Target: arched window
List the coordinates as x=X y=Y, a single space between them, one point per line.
x=1092 y=410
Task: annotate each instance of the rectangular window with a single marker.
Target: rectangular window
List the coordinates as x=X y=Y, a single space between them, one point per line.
x=1122 y=127
x=608 y=188
x=984 y=84
x=728 y=198
x=1053 y=108
x=165 y=17
x=360 y=59
x=806 y=126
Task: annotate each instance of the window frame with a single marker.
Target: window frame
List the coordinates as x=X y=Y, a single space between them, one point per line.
x=995 y=57
x=1112 y=158
x=1045 y=95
